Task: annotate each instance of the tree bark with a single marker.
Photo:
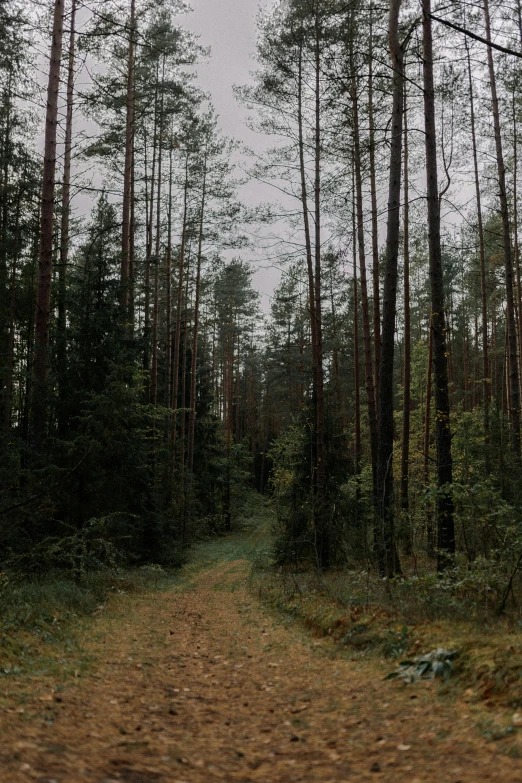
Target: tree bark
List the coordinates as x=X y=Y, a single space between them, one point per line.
x=356 y=369
x=155 y=304
x=406 y=419
x=445 y=508
x=486 y=380
x=367 y=339
x=375 y=226
x=45 y=263
x=514 y=388
x=195 y=334
x=388 y=557
x=128 y=165
x=61 y=342
x=322 y=532
x=179 y=305
x=168 y=290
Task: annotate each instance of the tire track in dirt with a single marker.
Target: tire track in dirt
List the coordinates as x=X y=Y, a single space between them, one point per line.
x=203 y=684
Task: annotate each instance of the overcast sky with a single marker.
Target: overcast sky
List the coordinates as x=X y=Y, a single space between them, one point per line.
x=229 y=28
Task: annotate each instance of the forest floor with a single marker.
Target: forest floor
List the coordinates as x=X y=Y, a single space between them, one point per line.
x=200 y=681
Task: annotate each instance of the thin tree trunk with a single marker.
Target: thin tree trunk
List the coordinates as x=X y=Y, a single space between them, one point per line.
x=321 y=526
x=406 y=419
x=128 y=165
x=356 y=369
x=516 y=245
x=193 y=373
x=9 y=381
x=6 y=156
x=179 y=305
x=155 y=305
x=306 y=213
x=150 y=237
x=168 y=289
x=486 y=380
x=43 y=294
x=375 y=226
x=514 y=388
x=61 y=341
x=131 y=306
x=445 y=508
x=388 y=557
x=367 y=339
x=427 y=432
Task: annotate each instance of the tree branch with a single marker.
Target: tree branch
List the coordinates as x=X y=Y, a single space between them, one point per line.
x=475 y=37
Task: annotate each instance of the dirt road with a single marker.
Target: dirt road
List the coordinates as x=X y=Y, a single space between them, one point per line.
x=201 y=683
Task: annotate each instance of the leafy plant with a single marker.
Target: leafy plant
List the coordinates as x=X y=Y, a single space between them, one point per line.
x=438 y=663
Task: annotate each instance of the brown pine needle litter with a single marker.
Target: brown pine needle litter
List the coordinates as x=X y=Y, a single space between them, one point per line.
x=201 y=682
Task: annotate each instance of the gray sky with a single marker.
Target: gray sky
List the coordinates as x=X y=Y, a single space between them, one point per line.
x=229 y=28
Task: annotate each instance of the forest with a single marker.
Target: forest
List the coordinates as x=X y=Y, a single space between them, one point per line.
x=147 y=393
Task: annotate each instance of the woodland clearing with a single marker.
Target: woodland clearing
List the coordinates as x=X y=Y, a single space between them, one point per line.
x=201 y=682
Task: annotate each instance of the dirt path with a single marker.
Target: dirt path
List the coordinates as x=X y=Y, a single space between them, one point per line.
x=202 y=683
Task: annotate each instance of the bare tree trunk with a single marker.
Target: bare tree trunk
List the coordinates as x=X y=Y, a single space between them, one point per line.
x=128 y=165
x=306 y=213
x=515 y=233
x=388 y=557
x=195 y=335
x=427 y=432
x=356 y=369
x=405 y=460
x=131 y=307
x=61 y=341
x=367 y=339
x=375 y=226
x=486 y=381
x=321 y=526
x=155 y=305
x=150 y=238
x=445 y=509
x=179 y=305
x=9 y=380
x=168 y=289
x=514 y=388
x=43 y=294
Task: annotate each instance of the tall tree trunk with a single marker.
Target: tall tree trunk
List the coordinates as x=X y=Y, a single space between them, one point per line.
x=45 y=263
x=388 y=557
x=6 y=158
x=306 y=212
x=321 y=525
x=356 y=368
x=195 y=334
x=179 y=306
x=445 y=508
x=128 y=165
x=406 y=411
x=168 y=290
x=514 y=388
x=516 y=245
x=427 y=433
x=367 y=338
x=150 y=238
x=375 y=225
x=9 y=381
x=486 y=380
x=61 y=341
x=155 y=304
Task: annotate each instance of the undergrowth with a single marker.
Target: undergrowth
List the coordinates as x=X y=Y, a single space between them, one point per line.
x=369 y=617
x=46 y=606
